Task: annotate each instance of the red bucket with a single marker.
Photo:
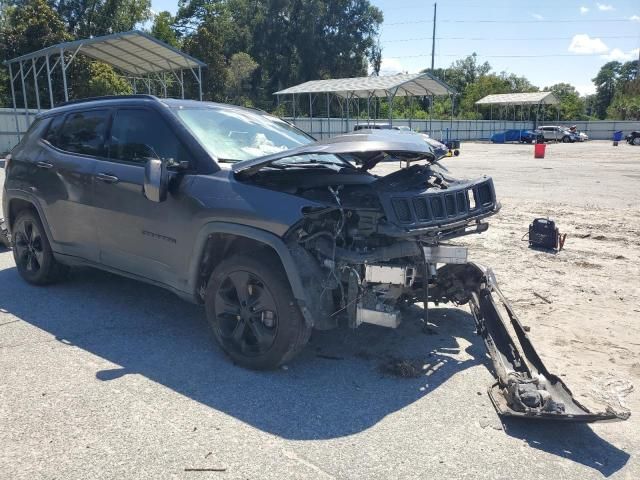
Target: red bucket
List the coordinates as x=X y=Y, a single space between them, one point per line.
x=538 y=150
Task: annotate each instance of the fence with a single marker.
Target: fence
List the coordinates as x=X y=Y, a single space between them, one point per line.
x=460 y=129
x=8 y=131
x=328 y=127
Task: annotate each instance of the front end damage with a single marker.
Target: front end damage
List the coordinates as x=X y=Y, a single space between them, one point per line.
x=370 y=246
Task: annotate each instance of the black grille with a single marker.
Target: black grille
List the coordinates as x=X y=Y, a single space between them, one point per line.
x=437 y=208
x=452 y=204
x=484 y=195
x=421 y=208
x=402 y=210
x=461 y=200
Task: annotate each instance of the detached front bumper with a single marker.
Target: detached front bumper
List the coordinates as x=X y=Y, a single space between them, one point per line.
x=524 y=386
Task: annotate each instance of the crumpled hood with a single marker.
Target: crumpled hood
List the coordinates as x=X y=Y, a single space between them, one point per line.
x=391 y=142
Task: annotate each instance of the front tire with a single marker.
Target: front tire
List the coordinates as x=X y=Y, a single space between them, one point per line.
x=32 y=251
x=566 y=139
x=253 y=314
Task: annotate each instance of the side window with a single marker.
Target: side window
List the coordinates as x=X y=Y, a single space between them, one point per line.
x=84 y=132
x=138 y=134
x=54 y=130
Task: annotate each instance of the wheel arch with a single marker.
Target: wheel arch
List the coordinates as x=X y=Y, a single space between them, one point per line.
x=216 y=240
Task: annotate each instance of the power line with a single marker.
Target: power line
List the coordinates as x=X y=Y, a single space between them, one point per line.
x=506 y=56
x=410 y=22
x=505 y=38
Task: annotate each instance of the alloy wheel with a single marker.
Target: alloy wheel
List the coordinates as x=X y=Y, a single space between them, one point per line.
x=247 y=318
x=29 y=247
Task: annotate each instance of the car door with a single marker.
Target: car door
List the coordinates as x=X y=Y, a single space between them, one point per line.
x=64 y=184
x=137 y=235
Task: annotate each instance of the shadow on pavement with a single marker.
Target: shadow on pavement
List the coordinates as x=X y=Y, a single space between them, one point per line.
x=573 y=441
x=333 y=389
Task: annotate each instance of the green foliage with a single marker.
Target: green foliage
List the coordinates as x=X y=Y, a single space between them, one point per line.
x=163 y=29
x=103 y=80
x=572 y=107
x=85 y=18
x=241 y=67
x=253 y=48
x=292 y=41
x=626 y=101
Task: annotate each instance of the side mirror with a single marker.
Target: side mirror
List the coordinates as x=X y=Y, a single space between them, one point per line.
x=155 y=180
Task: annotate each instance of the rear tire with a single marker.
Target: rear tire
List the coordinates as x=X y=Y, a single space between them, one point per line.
x=32 y=251
x=252 y=312
x=635 y=141
x=566 y=139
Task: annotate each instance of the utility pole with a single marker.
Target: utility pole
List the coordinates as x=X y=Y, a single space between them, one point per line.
x=433 y=39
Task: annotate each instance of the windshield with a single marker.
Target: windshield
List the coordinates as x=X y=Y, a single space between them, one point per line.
x=233 y=134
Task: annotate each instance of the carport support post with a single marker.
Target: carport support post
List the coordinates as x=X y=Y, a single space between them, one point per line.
x=328 y=115
x=200 y=82
x=35 y=83
x=310 y=116
x=182 y=83
x=49 y=81
x=24 y=95
x=293 y=104
x=13 y=99
x=64 y=75
x=346 y=130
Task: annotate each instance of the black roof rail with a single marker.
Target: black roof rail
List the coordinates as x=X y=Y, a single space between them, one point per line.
x=107 y=97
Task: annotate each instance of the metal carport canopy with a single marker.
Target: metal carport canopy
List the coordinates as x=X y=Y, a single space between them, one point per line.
x=529 y=98
x=403 y=84
x=133 y=52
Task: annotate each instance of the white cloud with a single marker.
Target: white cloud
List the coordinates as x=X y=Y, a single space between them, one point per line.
x=390 y=66
x=585 y=45
x=537 y=16
x=584 y=10
x=586 y=89
x=604 y=7
x=635 y=18
x=619 y=55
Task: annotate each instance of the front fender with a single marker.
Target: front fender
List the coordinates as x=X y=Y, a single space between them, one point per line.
x=262 y=236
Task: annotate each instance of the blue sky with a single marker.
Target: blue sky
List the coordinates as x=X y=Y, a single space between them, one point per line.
x=547 y=41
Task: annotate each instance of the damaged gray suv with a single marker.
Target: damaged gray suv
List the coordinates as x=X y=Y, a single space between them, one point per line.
x=274 y=233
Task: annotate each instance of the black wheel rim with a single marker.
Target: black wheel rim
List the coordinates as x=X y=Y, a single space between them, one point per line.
x=28 y=246
x=246 y=314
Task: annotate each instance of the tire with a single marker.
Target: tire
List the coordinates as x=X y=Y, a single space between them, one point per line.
x=566 y=139
x=635 y=141
x=256 y=338
x=32 y=251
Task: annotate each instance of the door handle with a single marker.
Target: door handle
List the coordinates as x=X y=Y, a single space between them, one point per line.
x=106 y=178
x=44 y=165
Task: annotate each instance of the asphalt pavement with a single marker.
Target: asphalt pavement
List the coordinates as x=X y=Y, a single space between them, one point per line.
x=105 y=377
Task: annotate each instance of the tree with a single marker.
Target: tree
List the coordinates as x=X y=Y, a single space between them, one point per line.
x=103 y=80
x=85 y=18
x=375 y=58
x=572 y=107
x=606 y=82
x=163 y=29
x=241 y=67
x=26 y=28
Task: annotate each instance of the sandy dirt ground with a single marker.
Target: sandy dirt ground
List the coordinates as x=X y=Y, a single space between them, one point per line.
x=582 y=304
x=104 y=377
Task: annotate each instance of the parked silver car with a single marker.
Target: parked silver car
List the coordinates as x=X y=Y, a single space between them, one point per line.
x=556 y=133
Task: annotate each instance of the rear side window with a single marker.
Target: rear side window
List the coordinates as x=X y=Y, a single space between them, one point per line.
x=82 y=132
x=138 y=134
